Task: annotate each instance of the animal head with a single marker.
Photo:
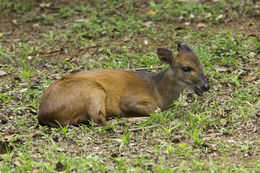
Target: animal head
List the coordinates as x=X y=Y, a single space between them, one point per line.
x=187 y=68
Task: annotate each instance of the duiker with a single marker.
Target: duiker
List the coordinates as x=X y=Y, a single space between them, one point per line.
x=101 y=94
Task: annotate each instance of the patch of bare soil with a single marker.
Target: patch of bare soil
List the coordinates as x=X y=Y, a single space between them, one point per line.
x=246 y=26
x=12 y=27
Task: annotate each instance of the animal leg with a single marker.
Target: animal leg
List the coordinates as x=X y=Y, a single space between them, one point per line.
x=96 y=109
x=136 y=107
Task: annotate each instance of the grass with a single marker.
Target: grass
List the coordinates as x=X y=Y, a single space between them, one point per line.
x=219 y=132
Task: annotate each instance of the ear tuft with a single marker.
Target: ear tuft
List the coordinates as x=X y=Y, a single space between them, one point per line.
x=165 y=55
x=183 y=46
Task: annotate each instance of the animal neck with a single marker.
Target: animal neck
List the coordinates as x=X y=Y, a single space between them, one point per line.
x=165 y=85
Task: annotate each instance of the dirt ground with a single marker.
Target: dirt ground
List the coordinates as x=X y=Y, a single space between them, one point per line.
x=18 y=118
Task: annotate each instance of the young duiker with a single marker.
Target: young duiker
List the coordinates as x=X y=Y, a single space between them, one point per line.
x=101 y=94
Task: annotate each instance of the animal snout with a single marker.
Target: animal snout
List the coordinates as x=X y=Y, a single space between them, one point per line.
x=205 y=87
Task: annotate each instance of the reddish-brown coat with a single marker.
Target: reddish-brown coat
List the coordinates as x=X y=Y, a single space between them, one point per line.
x=101 y=94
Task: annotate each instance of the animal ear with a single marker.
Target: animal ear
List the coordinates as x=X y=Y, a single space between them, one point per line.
x=183 y=47
x=165 y=56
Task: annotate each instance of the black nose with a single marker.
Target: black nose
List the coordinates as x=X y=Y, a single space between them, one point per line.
x=205 y=87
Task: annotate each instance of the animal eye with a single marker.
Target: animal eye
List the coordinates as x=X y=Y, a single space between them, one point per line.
x=186 y=69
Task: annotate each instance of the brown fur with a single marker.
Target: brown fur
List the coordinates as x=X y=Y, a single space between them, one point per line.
x=101 y=94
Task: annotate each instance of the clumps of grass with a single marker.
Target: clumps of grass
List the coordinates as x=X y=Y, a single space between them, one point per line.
x=20 y=7
x=216 y=132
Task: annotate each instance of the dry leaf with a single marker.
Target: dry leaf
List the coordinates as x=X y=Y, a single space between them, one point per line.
x=220 y=69
x=252 y=55
x=126 y=38
x=8 y=136
x=18 y=163
x=201 y=25
x=14 y=21
x=45 y=5
x=81 y=20
x=133 y=120
x=249 y=78
x=208 y=15
x=2 y=73
x=148 y=23
x=36 y=25
x=33 y=133
x=257 y=82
